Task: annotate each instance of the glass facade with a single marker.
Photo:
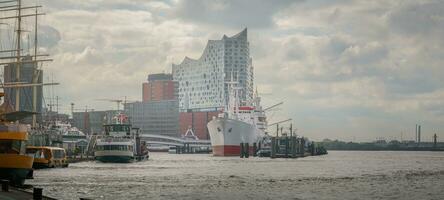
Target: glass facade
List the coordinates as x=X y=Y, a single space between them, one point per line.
x=155 y=117
x=202 y=81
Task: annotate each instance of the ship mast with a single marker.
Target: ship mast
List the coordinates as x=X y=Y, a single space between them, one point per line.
x=35 y=75
x=17 y=84
x=19 y=38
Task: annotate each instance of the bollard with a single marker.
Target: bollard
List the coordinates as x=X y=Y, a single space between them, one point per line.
x=241 y=150
x=38 y=194
x=254 y=149
x=5 y=185
x=247 y=150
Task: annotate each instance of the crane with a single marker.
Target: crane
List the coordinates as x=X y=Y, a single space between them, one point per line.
x=273 y=106
x=118 y=101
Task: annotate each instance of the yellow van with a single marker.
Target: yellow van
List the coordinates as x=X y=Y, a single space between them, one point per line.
x=45 y=157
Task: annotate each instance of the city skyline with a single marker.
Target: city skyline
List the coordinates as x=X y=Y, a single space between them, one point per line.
x=345 y=70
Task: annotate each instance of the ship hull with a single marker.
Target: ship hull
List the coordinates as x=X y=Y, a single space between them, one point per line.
x=15 y=168
x=227 y=134
x=114 y=156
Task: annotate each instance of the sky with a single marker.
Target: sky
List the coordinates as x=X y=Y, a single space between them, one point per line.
x=348 y=70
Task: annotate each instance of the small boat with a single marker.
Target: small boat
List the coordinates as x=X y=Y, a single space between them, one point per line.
x=120 y=143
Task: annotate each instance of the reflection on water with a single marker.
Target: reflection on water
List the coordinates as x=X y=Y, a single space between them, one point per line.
x=338 y=175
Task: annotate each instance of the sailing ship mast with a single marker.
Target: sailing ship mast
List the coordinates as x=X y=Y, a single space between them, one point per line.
x=16 y=5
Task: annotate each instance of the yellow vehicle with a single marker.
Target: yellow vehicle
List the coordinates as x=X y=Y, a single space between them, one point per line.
x=47 y=157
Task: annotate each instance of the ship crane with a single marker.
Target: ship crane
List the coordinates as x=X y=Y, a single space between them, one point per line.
x=117 y=101
x=274 y=106
x=280 y=122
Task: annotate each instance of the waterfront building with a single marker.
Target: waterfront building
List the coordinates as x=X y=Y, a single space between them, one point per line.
x=27 y=71
x=197 y=121
x=159 y=87
x=92 y=121
x=155 y=117
x=202 y=81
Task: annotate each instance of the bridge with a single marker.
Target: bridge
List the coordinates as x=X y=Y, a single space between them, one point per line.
x=174 y=141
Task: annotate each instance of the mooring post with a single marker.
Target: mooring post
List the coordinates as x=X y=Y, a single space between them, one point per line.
x=5 y=185
x=312 y=148
x=273 y=147
x=247 y=150
x=302 y=146
x=434 y=141
x=254 y=149
x=37 y=193
x=241 y=145
x=286 y=146
x=293 y=146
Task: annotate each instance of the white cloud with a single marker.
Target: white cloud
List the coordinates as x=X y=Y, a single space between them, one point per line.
x=335 y=62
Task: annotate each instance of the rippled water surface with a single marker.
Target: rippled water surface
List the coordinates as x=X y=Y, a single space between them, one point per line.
x=338 y=175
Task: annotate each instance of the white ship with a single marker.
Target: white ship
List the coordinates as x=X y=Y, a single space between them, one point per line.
x=119 y=144
x=237 y=124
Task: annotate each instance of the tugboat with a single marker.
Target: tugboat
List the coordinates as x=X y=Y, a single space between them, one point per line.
x=15 y=165
x=120 y=143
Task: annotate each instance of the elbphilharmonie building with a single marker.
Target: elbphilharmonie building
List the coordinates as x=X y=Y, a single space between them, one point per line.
x=202 y=81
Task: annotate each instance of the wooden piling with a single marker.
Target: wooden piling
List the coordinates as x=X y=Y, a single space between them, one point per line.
x=241 y=150
x=286 y=147
x=313 y=152
x=5 y=185
x=293 y=147
x=247 y=150
x=37 y=193
x=302 y=147
x=273 y=147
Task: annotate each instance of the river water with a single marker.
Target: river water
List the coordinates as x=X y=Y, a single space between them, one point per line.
x=338 y=175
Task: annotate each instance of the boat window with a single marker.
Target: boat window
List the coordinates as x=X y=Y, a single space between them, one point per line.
x=58 y=154
x=36 y=153
x=114 y=148
x=10 y=146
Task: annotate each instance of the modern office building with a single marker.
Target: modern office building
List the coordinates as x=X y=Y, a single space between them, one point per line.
x=159 y=87
x=27 y=71
x=202 y=81
x=155 y=117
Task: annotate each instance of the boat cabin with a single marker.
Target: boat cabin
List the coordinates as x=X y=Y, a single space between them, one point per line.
x=118 y=130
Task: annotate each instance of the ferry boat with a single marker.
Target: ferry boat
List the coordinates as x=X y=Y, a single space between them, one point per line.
x=237 y=124
x=15 y=165
x=120 y=143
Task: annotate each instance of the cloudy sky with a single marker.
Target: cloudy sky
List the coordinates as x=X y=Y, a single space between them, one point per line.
x=351 y=70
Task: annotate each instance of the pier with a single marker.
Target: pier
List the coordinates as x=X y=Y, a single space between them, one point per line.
x=29 y=192
x=283 y=147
